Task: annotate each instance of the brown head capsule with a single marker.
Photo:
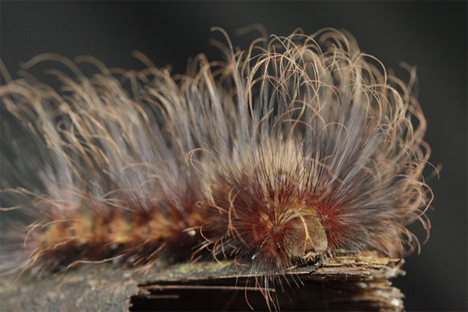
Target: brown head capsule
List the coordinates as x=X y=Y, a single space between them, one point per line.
x=305 y=237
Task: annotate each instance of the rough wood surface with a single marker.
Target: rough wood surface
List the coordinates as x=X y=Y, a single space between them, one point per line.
x=348 y=282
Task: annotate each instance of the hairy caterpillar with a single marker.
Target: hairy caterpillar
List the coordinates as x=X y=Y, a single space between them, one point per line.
x=287 y=152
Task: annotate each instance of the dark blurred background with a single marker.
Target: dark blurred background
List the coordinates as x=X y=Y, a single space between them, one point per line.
x=430 y=35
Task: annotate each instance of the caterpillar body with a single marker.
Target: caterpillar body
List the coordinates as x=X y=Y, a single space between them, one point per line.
x=286 y=152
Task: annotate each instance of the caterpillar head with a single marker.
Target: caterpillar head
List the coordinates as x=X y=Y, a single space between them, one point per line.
x=304 y=237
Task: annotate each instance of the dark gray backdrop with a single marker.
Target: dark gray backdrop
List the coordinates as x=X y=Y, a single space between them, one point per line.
x=430 y=35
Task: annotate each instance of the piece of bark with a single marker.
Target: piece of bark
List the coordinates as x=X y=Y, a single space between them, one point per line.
x=348 y=282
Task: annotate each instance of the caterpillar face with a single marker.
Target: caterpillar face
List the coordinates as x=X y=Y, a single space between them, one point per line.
x=305 y=237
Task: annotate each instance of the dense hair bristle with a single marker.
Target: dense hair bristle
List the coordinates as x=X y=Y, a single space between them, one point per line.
x=295 y=148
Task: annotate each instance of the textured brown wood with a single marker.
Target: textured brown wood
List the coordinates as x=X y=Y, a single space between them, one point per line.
x=348 y=282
